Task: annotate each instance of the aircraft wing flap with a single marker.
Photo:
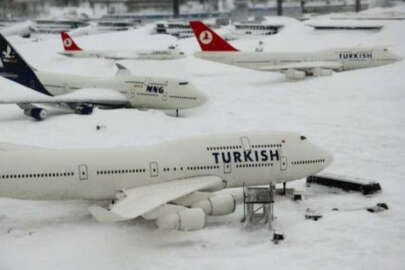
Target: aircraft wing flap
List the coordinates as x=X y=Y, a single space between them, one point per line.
x=302 y=66
x=85 y=95
x=140 y=200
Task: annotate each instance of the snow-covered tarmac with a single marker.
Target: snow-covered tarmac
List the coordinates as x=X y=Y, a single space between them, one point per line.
x=359 y=116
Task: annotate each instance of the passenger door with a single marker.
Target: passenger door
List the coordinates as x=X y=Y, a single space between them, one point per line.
x=83 y=172
x=283 y=163
x=153 y=169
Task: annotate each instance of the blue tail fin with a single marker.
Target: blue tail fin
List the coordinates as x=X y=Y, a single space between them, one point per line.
x=13 y=67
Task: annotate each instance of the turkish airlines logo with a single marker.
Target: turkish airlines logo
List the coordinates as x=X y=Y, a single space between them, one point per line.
x=206 y=37
x=67 y=42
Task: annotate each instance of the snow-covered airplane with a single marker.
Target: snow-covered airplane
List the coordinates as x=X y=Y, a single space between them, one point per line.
x=79 y=94
x=295 y=65
x=73 y=50
x=173 y=182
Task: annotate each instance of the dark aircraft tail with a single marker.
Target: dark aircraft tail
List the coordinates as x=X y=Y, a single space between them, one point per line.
x=14 y=67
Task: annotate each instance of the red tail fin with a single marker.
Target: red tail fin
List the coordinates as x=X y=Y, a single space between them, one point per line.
x=208 y=39
x=68 y=42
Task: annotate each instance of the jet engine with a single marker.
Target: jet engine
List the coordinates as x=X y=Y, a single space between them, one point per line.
x=84 y=109
x=185 y=220
x=293 y=74
x=217 y=205
x=321 y=72
x=36 y=113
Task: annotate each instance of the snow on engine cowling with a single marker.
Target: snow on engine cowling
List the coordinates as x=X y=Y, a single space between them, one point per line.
x=177 y=217
x=190 y=212
x=321 y=72
x=293 y=74
x=217 y=205
x=185 y=220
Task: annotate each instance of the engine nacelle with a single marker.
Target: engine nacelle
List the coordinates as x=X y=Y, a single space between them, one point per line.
x=321 y=72
x=163 y=210
x=84 y=109
x=36 y=113
x=185 y=220
x=293 y=74
x=217 y=205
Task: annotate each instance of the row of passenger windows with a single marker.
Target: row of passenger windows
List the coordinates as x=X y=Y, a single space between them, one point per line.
x=211 y=167
x=308 y=161
x=254 y=165
x=183 y=97
x=121 y=171
x=191 y=168
x=168 y=169
x=36 y=175
x=265 y=145
x=229 y=147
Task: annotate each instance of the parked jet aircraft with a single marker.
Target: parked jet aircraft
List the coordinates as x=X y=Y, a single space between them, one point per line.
x=73 y=50
x=79 y=93
x=295 y=66
x=172 y=182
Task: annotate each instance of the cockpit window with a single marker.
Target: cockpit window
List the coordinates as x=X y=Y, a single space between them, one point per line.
x=183 y=83
x=303 y=138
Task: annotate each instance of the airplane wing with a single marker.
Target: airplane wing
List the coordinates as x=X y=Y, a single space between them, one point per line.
x=302 y=66
x=140 y=200
x=10 y=147
x=85 y=95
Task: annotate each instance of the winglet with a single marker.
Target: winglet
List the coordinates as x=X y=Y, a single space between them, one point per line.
x=68 y=42
x=122 y=70
x=103 y=215
x=208 y=39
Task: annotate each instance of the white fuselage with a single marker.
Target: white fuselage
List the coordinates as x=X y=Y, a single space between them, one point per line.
x=351 y=58
x=168 y=54
x=249 y=158
x=142 y=92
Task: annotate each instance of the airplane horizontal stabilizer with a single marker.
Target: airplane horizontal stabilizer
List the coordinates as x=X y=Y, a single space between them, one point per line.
x=122 y=70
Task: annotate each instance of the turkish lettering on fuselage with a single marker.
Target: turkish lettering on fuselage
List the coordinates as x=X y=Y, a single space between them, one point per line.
x=246 y=156
x=356 y=55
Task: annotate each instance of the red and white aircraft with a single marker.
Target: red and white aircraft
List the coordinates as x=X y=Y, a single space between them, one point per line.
x=295 y=65
x=73 y=50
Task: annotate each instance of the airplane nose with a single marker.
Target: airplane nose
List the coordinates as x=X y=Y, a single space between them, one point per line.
x=396 y=57
x=203 y=98
x=328 y=158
